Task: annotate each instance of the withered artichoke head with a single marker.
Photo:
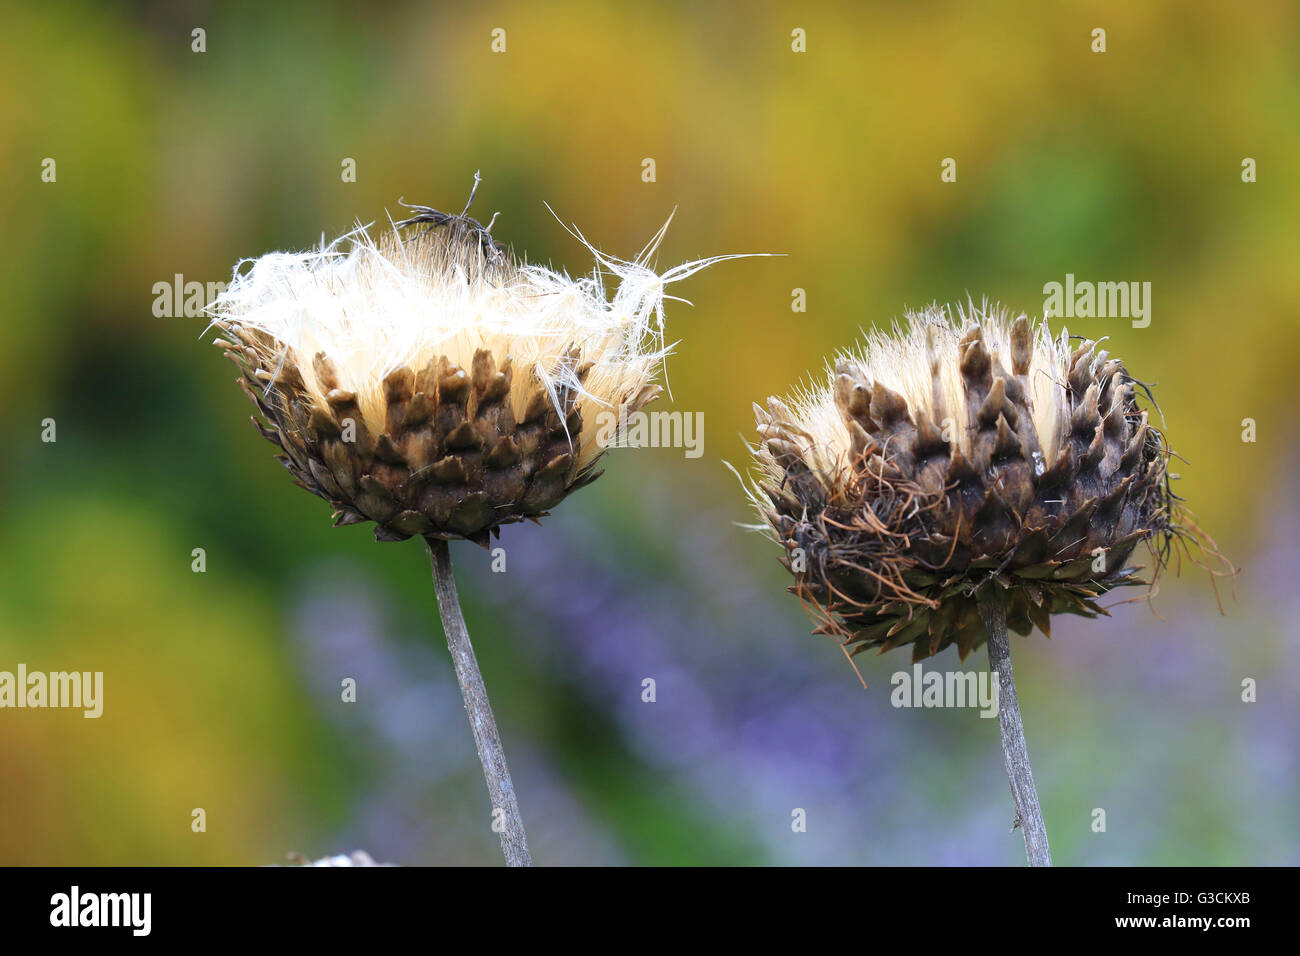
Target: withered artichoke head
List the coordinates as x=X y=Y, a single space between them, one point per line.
x=430 y=382
x=964 y=451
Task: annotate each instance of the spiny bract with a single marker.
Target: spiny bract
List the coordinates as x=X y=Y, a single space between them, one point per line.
x=966 y=451
x=431 y=383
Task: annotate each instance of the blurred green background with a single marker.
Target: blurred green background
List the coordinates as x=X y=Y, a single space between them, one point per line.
x=222 y=688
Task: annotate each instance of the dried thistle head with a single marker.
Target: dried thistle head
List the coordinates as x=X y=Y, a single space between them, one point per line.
x=966 y=451
x=430 y=382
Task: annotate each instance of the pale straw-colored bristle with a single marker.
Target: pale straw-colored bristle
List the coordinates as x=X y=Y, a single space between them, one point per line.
x=404 y=299
x=920 y=360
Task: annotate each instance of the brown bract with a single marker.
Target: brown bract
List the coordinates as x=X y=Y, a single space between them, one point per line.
x=455 y=457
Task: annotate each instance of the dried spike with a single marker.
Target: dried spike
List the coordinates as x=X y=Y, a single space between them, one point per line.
x=1081 y=367
x=340 y=398
x=992 y=510
x=1022 y=346
x=961 y=471
x=1092 y=458
x=888 y=408
x=324 y=479
x=537 y=405
x=1115 y=421
x=497 y=388
x=1085 y=418
x=929 y=439
x=397 y=393
x=398 y=385
x=270 y=433
x=1041 y=618
x=344 y=406
x=976 y=367
x=1060 y=473
x=994 y=403
x=852 y=397
x=418 y=411
x=1017 y=397
x=473 y=513
x=372 y=485
x=1111 y=373
x=410 y=522
x=781 y=499
x=1006 y=444
x=1073 y=532
x=1031 y=550
x=1133 y=453
x=784 y=451
x=342 y=465
x=426 y=379
x=454 y=386
x=419 y=448
x=321 y=423
x=373 y=499
x=859 y=441
x=386 y=451
x=1110 y=504
x=504 y=453
x=327 y=375
x=464 y=437
x=1018 y=619
x=644 y=397
x=449 y=471
x=483 y=368
x=779 y=410
x=548 y=485
x=968 y=638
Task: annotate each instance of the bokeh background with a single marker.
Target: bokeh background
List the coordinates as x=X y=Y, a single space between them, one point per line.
x=222 y=687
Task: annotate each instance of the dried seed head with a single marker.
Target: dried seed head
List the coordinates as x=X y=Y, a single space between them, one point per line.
x=968 y=450
x=430 y=382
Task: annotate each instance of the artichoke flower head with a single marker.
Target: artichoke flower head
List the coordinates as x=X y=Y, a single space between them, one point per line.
x=430 y=382
x=966 y=450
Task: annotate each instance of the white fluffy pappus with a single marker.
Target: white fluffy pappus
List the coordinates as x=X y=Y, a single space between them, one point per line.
x=406 y=298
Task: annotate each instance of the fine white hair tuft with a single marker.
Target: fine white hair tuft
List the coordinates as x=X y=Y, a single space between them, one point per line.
x=373 y=305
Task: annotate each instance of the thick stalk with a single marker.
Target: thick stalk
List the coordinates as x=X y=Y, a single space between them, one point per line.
x=505 y=808
x=1015 y=753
